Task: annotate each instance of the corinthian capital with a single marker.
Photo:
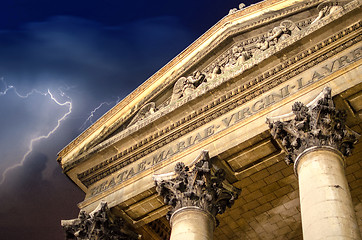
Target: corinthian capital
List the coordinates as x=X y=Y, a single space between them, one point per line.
x=316 y=124
x=196 y=186
x=99 y=224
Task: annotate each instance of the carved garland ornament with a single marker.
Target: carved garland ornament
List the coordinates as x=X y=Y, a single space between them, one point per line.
x=98 y=225
x=197 y=187
x=317 y=125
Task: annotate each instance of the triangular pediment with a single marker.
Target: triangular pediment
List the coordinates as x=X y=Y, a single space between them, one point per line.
x=241 y=46
x=221 y=96
x=242 y=49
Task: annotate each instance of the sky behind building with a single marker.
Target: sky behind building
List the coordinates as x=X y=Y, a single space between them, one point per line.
x=63 y=64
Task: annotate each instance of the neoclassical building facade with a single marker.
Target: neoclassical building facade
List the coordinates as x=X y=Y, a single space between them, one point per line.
x=250 y=133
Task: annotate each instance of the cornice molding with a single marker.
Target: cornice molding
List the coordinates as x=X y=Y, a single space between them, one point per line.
x=227 y=20
x=232 y=99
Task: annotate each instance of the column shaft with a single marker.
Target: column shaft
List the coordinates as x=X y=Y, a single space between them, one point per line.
x=192 y=223
x=326 y=205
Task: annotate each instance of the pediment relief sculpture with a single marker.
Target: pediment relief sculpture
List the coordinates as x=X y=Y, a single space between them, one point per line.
x=241 y=56
x=327 y=8
x=145 y=111
x=186 y=85
x=234 y=58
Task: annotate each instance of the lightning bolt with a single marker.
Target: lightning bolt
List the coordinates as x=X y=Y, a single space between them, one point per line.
x=91 y=115
x=68 y=104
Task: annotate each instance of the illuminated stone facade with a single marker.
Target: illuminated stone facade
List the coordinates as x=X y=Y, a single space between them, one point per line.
x=209 y=133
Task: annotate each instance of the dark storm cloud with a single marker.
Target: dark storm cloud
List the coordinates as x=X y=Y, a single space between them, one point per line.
x=100 y=62
x=91 y=63
x=88 y=54
x=109 y=49
x=31 y=206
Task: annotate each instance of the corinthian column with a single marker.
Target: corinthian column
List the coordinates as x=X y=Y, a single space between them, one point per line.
x=97 y=225
x=196 y=196
x=316 y=141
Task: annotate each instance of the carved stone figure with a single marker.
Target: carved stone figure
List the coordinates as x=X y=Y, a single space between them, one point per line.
x=262 y=44
x=325 y=9
x=290 y=28
x=317 y=125
x=197 y=187
x=215 y=70
x=237 y=56
x=98 y=225
x=185 y=86
x=144 y=112
x=279 y=33
x=234 y=10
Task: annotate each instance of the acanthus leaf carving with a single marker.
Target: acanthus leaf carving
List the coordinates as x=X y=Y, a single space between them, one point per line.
x=97 y=225
x=319 y=124
x=197 y=186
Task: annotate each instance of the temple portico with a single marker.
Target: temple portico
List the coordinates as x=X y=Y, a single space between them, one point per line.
x=252 y=132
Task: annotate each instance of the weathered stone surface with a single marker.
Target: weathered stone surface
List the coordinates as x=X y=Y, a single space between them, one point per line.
x=252 y=69
x=319 y=124
x=197 y=187
x=98 y=225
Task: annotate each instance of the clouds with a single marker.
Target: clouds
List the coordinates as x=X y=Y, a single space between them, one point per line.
x=88 y=54
x=100 y=62
x=93 y=52
x=31 y=206
x=90 y=63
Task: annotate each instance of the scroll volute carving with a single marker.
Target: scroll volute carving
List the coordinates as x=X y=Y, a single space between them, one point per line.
x=198 y=187
x=319 y=124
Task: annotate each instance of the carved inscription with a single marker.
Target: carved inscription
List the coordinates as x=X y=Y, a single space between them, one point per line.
x=229 y=120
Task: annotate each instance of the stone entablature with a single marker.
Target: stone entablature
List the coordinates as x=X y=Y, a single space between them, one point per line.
x=232 y=72
x=211 y=111
x=236 y=23
x=240 y=96
x=227 y=121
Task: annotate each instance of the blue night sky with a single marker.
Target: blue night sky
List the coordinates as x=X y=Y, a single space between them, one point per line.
x=63 y=64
